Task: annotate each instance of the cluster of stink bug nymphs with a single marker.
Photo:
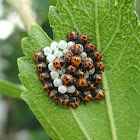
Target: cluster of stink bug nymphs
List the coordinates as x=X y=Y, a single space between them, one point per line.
x=71 y=71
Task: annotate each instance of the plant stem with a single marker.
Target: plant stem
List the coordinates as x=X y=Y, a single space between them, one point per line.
x=10 y=89
x=23 y=8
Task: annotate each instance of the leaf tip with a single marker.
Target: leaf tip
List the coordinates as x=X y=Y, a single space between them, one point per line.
x=18 y=60
x=51 y=8
x=32 y=28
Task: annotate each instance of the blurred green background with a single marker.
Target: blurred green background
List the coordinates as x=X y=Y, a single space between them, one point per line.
x=17 y=122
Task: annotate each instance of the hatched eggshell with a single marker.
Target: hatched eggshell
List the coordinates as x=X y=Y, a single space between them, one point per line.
x=54 y=74
x=70 y=43
x=62 y=44
x=54 y=46
x=47 y=50
x=71 y=89
x=62 y=89
x=51 y=67
x=57 y=82
x=50 y=58
x=58 y=53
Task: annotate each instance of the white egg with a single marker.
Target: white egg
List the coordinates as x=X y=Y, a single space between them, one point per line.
x=54 y=74
x=51 y=67
x=65 y=51
x=84 y=55
x=70 y=43
x=54 y=46
x=71 y=89
x=47 y=50
x=50 y=57
x=62 y=89
x=57 y=82
x=62 y=44
x=58 y=53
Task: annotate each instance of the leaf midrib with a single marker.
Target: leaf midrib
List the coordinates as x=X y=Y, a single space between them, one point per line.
x=108 y=102
x=105 y=85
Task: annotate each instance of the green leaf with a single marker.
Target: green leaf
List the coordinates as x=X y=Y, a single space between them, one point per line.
x=10 y=89
x=113 y=27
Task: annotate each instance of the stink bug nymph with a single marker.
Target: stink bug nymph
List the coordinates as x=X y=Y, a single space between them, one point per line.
x=87 y=96
x=99 y=66
x=48 y=87
x=96 y=55
x=76 y=60
x=72 y=36
x=98 y=94
x=83 y=39
x=41 y=67
x=39 y=57
x=64 y=99
x=54 y=94
x=74 y=102
x=97 y=78
x=89 y=47
x=58 y=63
x=68 y=80
x=75 y=49
x=45 y=77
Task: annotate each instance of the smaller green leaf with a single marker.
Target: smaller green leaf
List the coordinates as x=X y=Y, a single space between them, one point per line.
x=10 y=89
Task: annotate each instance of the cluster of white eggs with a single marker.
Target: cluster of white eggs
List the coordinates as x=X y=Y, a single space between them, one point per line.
x=59 y=50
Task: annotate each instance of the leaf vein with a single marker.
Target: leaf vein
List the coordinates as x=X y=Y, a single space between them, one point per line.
x=114 y=34
x=86 y=11
x=109 y=108
x=72 y=20
x=121 y=54
x=80 y=125
x=131 y=66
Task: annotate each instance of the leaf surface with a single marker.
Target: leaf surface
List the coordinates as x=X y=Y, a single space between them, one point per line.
x=113 y=27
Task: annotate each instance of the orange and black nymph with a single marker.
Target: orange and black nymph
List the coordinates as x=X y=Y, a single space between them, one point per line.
x=72 y=36
x=89 y=47
x=68 y=80
x=83 y=39
x=58 y=63
x=99 y=66
x=98 y=94
x=74 y=102
x=54 y=94
x=39 y=57
x=45 y=77
x=41 y=67
x=64 y=99
x=86 y=96
x=96 y=55
x=48 y=87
